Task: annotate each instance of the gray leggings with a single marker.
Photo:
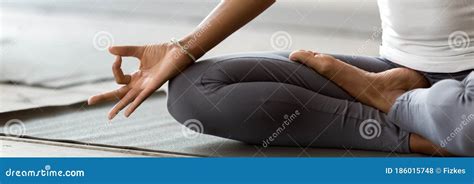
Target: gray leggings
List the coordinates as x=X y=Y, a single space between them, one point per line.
x=266 y=99
x=443 y=113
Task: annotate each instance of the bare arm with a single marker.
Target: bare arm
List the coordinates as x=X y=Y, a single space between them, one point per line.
x=225 y=19
x=161 y=62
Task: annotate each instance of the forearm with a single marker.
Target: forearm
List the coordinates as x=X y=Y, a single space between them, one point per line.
x=226 y=18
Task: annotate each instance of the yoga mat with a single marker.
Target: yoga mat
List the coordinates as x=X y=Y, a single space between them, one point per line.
x=14 y=97
x=151 y=127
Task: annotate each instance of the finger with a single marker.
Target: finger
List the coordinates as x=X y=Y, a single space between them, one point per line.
x=135 y=51
x=139 y=100
x=120 y=78
x=122 y=103
x=108 y=96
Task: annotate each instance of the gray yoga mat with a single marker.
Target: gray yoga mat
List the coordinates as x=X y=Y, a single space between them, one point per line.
x=150 y=128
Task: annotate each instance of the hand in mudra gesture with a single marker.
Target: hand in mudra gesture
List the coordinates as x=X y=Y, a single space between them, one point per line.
x=158 y=64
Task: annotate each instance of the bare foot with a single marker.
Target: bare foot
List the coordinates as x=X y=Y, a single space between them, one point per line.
x=379 y=90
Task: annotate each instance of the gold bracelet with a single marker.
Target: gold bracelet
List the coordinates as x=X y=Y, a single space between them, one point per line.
x=176 y=42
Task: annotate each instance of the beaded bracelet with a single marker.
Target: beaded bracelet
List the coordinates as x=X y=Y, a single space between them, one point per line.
x=183 y=49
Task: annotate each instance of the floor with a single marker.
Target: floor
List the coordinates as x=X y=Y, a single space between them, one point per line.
x=22 y=147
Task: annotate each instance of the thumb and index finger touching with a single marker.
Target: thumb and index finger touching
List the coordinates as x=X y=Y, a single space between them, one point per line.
x=119 y=51
x=120 y=77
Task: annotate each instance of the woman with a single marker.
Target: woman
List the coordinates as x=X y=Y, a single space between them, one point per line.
x=249 y=97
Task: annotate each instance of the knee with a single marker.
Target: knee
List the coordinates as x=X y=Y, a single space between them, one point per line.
x=451 y=100
x=455 y=104
x=193 y=100
x=457 y=128
x=186 y=96
x=447 y=93
x=454 y=96
x=466 y=132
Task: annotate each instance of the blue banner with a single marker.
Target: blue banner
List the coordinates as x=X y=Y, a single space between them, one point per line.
x=236 y=170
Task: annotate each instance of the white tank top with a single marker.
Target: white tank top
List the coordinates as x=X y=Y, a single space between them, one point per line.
x=428 y=35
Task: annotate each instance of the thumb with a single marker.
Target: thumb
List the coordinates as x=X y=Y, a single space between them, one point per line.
x=135 y=51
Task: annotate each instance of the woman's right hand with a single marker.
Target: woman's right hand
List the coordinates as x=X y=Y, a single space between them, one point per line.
x=158 y=64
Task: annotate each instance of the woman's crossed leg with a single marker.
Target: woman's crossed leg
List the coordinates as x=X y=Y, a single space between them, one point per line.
x=442 y=113
x=266 y=99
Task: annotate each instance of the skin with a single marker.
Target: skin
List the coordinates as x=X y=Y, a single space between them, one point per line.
x=379 y=90
x=161 y=62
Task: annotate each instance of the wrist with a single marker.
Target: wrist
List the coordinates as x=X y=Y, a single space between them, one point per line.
x=191 y=44
x=178 y=54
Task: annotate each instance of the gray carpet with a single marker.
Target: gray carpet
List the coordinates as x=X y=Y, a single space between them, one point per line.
x=150 y=128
